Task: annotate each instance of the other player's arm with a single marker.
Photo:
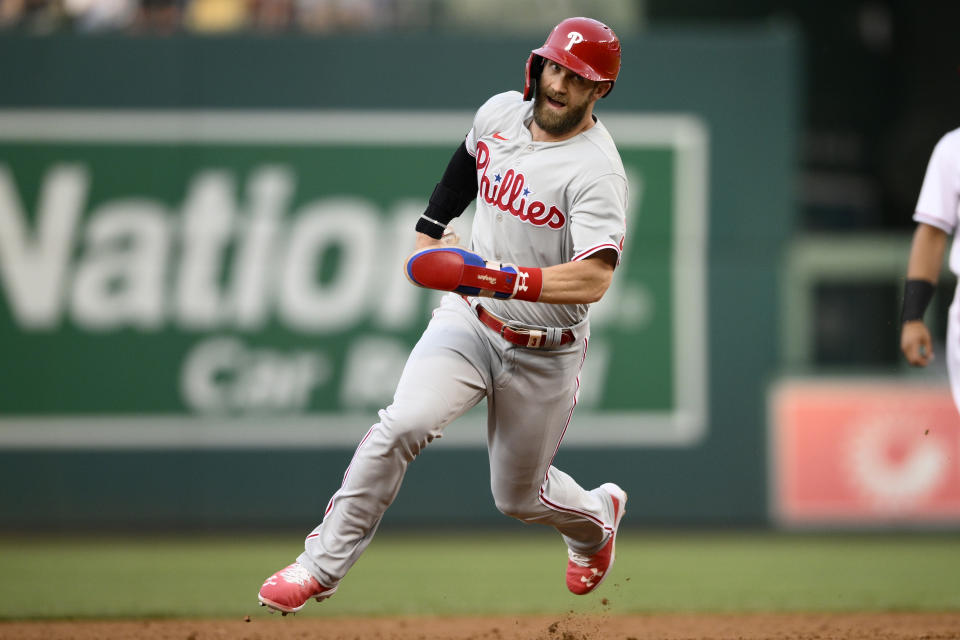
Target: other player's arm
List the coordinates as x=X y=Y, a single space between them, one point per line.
x=923 y=269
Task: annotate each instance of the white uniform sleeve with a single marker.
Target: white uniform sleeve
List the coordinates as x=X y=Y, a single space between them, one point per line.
x=488 y=115
x=939 y=202
x=598 y=219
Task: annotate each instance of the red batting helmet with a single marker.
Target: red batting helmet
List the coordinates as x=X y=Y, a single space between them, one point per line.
x=588 y=48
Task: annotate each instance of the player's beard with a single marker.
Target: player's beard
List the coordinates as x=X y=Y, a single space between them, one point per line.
x=557 y=123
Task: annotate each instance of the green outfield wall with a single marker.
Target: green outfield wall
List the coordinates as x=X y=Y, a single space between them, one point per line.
x=201 y=300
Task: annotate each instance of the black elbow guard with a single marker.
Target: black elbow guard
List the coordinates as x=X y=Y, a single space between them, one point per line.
x=455 y=191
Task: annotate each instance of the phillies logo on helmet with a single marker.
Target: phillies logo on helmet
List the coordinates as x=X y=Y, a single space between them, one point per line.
x=574 y=37
x=587 y=47
x=507 y=194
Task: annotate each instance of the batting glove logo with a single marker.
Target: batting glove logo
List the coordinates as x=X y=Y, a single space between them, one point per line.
x=521 y=282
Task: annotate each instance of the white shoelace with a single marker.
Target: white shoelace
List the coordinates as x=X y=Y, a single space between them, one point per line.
x=296 y=573
x=578 y=558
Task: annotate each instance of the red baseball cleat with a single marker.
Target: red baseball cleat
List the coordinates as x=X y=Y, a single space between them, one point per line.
x=585 y=573
x=289 y=589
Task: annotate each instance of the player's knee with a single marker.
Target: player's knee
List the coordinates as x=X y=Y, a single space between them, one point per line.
x=519 y=507
x=409 y=429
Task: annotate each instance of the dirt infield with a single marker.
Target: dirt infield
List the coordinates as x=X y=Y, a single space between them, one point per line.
x=872 y=626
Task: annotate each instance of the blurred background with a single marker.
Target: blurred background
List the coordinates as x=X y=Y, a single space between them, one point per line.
x=204 y=205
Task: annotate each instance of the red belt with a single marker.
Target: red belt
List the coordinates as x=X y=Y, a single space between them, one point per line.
x=532 y=338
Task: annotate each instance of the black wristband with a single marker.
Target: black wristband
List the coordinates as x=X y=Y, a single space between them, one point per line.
x=917 y=295
x=430 y=227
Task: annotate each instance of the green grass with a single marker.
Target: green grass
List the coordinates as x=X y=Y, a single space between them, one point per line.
x=496 y=573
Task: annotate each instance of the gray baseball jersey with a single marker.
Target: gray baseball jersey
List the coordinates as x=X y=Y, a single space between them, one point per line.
x=539 y=204
x=543 y=203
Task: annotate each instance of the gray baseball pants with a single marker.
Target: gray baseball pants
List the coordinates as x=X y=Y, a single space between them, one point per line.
x=530 y=396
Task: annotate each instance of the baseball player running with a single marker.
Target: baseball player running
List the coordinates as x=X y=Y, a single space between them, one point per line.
x=551 y=200
x=936 y=215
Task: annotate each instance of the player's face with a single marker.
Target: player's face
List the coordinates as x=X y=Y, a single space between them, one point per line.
x=563 y=99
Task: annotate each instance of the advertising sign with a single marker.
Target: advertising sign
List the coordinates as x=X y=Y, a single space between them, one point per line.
x=209 y=279
x=864 y=453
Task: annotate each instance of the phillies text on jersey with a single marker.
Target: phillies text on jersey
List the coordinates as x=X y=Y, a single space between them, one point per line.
x=508 y=193
x=541 y=204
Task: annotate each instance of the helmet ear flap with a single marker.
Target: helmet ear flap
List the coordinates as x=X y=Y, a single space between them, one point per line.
x=532 y=75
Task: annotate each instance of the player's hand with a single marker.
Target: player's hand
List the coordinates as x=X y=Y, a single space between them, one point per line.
x=916 y=344
x=425 y=242
x=450 y=237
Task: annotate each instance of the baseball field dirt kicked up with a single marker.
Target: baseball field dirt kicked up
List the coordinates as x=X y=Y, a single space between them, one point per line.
x=489 y=586
x=795 y=626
